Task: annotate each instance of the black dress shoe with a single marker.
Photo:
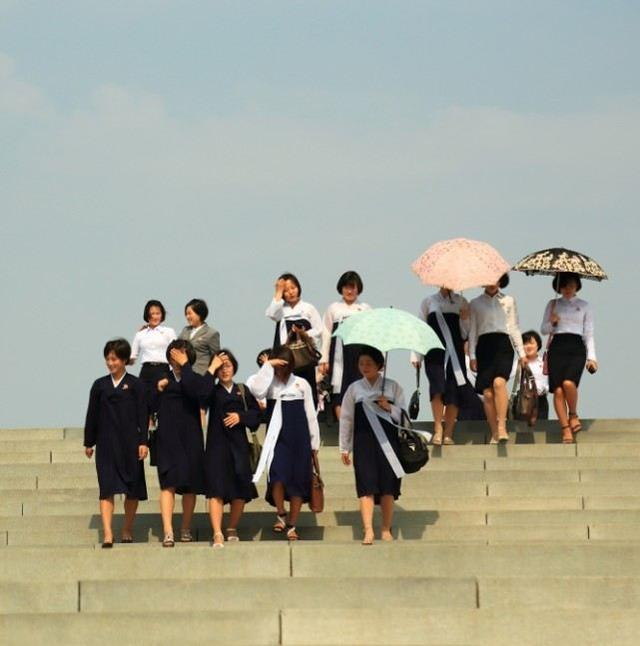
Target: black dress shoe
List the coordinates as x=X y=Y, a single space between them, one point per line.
x=127 y=540
x=107 y=545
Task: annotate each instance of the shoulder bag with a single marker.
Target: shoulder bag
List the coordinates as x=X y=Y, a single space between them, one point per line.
x=255 y=448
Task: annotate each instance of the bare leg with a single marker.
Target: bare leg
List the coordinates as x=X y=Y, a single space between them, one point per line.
x=571 y=396
x=501 y=399
x=437 y=410
x=277 y=491
x=188 y=506
x=130 y=508
x=106 y=511
x=216 y=509
x=560 y=404
x=450 y=417
x=490 y=412
x=167 y=502
x=386 y=505
x=366 y=511
x=294 y=509
x=237 y=507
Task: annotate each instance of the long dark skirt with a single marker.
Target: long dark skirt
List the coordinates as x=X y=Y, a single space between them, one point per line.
x=111 y=481
x=291 y=463
x=567 y=357
x=443 y=382
x=374 y=475
x=494 y=354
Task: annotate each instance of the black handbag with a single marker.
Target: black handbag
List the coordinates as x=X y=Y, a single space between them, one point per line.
x=414 y=402
x=304 y=352
x=414 y=451
x=153 y=441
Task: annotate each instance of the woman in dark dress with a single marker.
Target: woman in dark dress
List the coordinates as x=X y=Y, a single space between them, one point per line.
x=116 y=424
x=232 y=409
x=292 y=440
x=370 y=407
x=448 y=314
x=179 y=446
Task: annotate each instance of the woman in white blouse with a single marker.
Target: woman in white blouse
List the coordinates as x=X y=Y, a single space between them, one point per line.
x=338 y=361
x=448 y=314
x=150 y=347
x=371 y=408
x=292 y=439
x=292 y=314
x=493 y=336
x=570 y=322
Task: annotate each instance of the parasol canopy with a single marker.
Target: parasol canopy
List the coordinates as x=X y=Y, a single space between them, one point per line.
x=557 y=260
x=460 y=264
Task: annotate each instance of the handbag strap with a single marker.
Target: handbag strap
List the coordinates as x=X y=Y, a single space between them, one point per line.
x=417 y=377
x=243 y=396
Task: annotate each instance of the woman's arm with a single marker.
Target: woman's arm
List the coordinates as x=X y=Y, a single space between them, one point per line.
x=312 y=417
x=260 y=382
x=327 y=331
x=588 y=336
x=473 y=332
x=347 y=416
x=92 y=417
x=513 y=326
x=547 y=326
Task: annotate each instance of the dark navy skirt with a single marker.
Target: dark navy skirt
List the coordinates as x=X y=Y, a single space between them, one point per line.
x=374 y=475
x=291 y=463
x=567 y=357
x=494 y=354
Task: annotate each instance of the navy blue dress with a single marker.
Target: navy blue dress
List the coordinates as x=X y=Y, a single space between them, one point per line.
x=179 y=440
x=291 y=464
x=374 y=475
x=116 y=424
x=227 y=471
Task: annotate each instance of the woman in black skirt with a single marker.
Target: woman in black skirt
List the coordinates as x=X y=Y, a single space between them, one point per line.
x=232 y=409
x=448 y=314
x=367 y=429
x=116 y=425
x=570 y=322
x=292 y=314
x=493 y=335
x=292 y=440
x=179 y=445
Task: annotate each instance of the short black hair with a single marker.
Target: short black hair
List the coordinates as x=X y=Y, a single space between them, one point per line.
x=231 y=357
x=266 y=351
x=199 y=307
x=372 y=353
x=149 y=305
x=293 y=278
x=532 y=334
x=119 y=347
x=350 y=278
x=182 y=344
x=282 y=352
x=504 y=281
x=563 y=279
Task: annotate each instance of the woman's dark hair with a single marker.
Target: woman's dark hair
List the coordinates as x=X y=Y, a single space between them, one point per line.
x=182 y=344
x=293 y=279
x=282 y=352
x=266 y=351
x=563 y=279
x=504 y=281
x=232 y=359
x=532 y=334
x=199 y=307
x=372 y=353
x=119 y=347
x=151 y=304
x=350 y=278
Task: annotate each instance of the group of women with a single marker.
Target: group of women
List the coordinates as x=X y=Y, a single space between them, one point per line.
x=187 y=381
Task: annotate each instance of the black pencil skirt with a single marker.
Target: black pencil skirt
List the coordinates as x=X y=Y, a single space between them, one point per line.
x=494 y=354
x=567 y=357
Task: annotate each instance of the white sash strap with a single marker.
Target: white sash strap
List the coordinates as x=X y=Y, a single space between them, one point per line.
x=374 y=417
x=338 y=365
x=273 y=432
x=450 y=351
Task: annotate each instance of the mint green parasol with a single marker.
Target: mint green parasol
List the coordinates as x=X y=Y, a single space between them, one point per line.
x=387 y=328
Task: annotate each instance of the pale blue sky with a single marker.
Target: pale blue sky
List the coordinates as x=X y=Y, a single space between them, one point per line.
x=178 y=149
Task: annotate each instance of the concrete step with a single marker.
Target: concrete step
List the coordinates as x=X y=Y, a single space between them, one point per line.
x=82 y=536
x=408 y=626
x=246 y=628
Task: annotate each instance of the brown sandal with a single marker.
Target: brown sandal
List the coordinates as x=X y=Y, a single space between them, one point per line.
x=292 y=535
x=567 y=435
x=577 y=426
x=281 y=523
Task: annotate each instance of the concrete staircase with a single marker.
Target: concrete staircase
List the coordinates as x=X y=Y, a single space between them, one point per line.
x=534 y=542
